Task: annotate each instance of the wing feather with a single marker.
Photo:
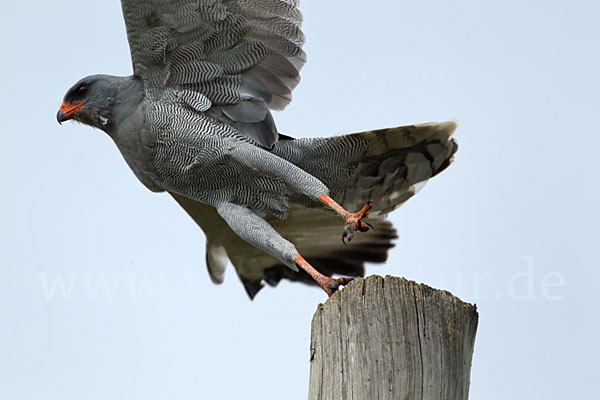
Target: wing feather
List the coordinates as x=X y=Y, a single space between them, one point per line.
x=315 y=234
x=235 y=53
x=214 y=46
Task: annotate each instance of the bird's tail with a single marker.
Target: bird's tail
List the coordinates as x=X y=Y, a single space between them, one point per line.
x=387 y=166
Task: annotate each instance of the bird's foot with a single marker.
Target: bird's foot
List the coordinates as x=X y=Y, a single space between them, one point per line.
x=330 y=285
x=355 y=223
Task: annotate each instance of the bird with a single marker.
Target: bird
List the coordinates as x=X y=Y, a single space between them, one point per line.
x=195 y=120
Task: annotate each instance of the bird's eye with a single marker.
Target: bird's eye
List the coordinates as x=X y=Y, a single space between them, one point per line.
x=82 y=90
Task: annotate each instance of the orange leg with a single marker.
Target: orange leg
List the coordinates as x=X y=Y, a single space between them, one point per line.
x=329 y=285
x=353 y=220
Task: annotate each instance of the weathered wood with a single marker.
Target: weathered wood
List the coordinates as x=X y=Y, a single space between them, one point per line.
x=391 y=339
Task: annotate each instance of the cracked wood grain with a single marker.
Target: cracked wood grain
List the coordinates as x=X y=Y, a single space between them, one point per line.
x=391 y=339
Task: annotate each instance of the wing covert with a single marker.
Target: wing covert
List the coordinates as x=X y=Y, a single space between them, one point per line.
x=227 y=50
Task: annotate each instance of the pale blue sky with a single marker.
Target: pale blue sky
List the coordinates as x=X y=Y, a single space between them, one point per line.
x=511 y=225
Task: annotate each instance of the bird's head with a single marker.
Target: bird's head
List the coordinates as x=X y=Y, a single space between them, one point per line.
x=89 y=101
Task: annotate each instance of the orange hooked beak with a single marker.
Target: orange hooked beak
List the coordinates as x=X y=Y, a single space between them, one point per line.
x=66 y=111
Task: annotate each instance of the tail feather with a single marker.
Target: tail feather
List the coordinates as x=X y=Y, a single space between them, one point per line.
x=398 y=163
x=387 y=166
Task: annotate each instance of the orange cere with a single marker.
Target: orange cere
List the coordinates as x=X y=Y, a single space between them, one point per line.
x=69 y=108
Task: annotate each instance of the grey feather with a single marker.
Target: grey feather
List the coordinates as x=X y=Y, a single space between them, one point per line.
x=386 y=165
x=244 y=57
x=356 y=167
x=195 y=121
x=194 y=42
x=314 y=233
x=216 y=262
x=252 y=117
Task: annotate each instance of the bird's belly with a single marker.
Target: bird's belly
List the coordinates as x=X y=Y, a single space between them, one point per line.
x=209 y=175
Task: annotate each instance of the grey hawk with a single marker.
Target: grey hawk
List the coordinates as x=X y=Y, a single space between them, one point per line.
x=195 y=120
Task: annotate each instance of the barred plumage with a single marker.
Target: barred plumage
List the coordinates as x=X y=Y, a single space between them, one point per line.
x=234 y=29
x=194 y=121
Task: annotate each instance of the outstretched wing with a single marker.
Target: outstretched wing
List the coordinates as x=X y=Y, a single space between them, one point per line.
x=315 y=234
x=238 y=58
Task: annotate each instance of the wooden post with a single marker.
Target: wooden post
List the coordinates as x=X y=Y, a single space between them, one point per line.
x=391 y=339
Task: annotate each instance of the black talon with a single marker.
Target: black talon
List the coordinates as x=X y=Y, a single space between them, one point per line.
x=347 y=234
x=344 y=236
x=333 y=285
x=364 y=226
